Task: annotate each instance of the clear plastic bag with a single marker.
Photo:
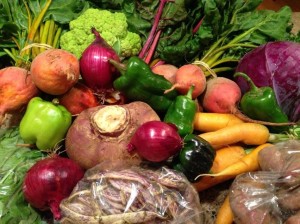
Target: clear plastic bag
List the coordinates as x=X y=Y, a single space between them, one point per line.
x=132 y=195
x=271 y=195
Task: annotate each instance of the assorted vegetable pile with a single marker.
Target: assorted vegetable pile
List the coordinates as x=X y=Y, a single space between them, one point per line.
x=139 y=106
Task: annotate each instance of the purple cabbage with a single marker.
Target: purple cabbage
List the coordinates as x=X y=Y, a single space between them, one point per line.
x=275 y=64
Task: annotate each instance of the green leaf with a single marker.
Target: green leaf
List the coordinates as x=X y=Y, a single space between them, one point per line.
x=63 y=11
x=15 y=162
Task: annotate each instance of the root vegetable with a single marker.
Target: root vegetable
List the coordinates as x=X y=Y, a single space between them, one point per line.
x=102 y=133
x=78 y=98
x=227 y=156
x=247 y=133
x=225 y=214
x=221 y=95
x=156 y=141
x=166 y=70
x=49 y=181
x=248 y=163
x=207 y=122
x=96 y=71
x=16 y=89
x=189 y=75
x=55 y=71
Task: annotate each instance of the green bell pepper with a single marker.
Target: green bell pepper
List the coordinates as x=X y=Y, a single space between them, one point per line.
x=139 y=83
x=261 y=104
x=44 y=123
x=182 y=113
x=196 y=157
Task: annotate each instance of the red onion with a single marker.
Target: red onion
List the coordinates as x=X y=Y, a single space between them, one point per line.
x=156 y=141
x=49 y=181
x=96 y=70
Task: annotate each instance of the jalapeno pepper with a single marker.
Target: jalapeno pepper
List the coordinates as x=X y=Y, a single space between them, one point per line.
x=139 y=83
x=261 y=104
x=44 y=123
x=196 y=157
x=182 y=113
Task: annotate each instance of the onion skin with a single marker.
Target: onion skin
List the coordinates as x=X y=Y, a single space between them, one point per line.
x=16 y=89
x=49 y=181
x=156 y=141
x=96 y=70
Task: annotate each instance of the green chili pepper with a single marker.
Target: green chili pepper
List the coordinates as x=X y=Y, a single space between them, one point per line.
x=261 y=104
x=196 y=157
x=182 y=113
x=44 y=123
x=139 y=83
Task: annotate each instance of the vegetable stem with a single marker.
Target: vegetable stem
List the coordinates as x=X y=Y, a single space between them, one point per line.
x=154 y=28
x=217 y=70
x=56 y=37
x=51 y=32
x=196 y=28
x=45 y=34
x=38 y=21
x=152 y=48
x=217 y=50
x=32 y=32
x=28 y=14
x=223 y=60
x=248 y=79
x=227 y=46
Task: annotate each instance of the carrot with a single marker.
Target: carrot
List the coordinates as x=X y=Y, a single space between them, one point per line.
x=225 y=214
x=248 y=163
x=206 y=122
x=227 y=156
x=247 y=133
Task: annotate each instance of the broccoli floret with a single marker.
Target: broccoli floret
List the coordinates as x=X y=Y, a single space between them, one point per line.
x=112 y=27
x=130 y=45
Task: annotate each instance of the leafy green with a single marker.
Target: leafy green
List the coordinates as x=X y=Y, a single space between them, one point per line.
x=15 y=162
x=235 y=26
x=245 y=31
x=229 y=30
x=23 y=23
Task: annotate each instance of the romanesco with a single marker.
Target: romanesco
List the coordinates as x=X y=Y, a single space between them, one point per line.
x=112 y=27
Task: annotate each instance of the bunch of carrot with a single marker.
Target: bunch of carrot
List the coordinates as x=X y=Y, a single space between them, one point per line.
x=237 y=145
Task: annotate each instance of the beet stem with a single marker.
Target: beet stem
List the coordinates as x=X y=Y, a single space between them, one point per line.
x=153 y=47
x=197 y=27
x=150 y=38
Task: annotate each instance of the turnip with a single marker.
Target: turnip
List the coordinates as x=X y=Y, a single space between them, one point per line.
x=221 y=95
x=55 y=71
x=102 y=133
x=166 y=70
x=189 y=75
x=16 y=89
